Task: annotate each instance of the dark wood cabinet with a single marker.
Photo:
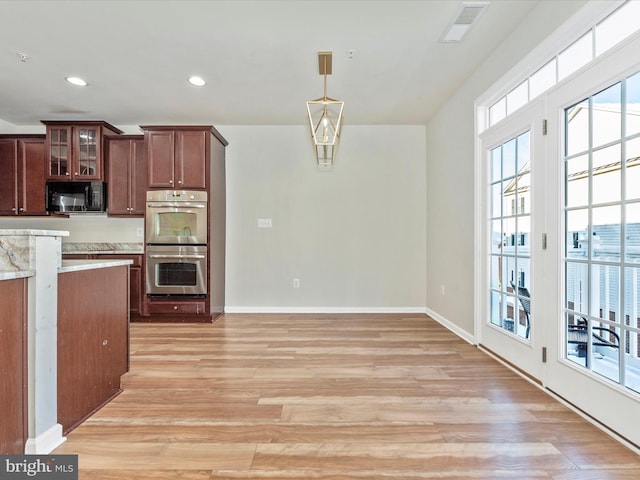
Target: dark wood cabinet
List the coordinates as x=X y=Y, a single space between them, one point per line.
x=22 y=181
x=177 y=156
x=126 y=173
x=136 y=278
x=93 y=338
x=13 y=321
x=74 y=149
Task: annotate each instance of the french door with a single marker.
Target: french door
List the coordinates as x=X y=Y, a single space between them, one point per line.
x=512 y=193
x=594 y=124
x=558 y=241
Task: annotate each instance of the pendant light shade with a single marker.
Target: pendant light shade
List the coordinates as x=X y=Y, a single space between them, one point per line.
x=325 y=118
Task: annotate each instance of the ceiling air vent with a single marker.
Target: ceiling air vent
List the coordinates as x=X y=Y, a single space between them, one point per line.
x=465 y=18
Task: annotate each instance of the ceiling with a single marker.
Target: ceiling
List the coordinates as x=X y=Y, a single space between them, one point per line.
x=259 y=59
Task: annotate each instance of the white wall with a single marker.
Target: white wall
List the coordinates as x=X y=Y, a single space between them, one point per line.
x=450 y=167
x=354 y=236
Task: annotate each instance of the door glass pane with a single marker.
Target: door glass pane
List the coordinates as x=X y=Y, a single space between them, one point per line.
x=633 y=104
x=524 y=148
x=511 y=236
x=632 y=170
x=509 y=159
x=577 y=225
x=604 y=293
x=577 y=130
x=605 y=233
x=577 y=280
x=496 y=164
x=607 y=124
x=496 y=200
x=577 y=170
x=496 y=236
x=496 y=308
x=632 y=233
x=606 y=175
x=603 y=220
x=496 y=272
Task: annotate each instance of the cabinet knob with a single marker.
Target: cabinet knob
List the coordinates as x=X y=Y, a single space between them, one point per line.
x=13 y=209
x=175 y=307
x=171 y=182
x=67 y=174
x=76 y=173
x=21 y=209
x=179 y=182
x=104 y=342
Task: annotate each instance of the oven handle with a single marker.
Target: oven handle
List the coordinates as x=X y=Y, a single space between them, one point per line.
x=177 y=205
x=178 y=256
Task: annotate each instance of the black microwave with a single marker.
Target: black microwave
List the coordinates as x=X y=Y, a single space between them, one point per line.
x=68 y=197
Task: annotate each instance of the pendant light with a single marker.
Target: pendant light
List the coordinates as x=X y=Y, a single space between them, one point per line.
x=325 y=118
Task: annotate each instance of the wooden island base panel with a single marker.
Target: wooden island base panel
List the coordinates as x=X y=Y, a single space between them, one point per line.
x=366 y=397
x=93 y=337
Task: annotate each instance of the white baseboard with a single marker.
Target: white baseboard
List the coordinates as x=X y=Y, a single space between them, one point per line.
x=241 y=309
x=463 y=334
x=46 y=442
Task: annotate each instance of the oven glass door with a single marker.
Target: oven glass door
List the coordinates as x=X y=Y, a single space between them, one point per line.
x=176 y=224
x=179 y=270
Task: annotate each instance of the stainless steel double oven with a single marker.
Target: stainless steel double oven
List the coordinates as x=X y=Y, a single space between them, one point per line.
x=176 y=238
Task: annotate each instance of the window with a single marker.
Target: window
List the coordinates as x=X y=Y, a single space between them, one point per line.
x=615 y=28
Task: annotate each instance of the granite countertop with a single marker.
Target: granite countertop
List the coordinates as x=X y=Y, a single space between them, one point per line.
x=77 y=265
x=98 y=247
x=6 y=275
x=17 y=232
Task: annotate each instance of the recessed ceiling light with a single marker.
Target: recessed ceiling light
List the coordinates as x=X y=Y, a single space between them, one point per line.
x=197 y=81
x=76 y=81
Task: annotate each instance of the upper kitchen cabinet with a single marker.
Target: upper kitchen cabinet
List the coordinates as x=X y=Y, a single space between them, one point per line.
x=126 y=172
x=22 y=182
x=74 y=149
x=178 y=156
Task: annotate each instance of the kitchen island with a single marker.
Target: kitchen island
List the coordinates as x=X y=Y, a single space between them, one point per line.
x=93 y=336
x=64 y=302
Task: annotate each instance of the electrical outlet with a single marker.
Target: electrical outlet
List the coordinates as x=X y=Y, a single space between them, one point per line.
x=264 y=223
x=139 y=232
x=296 y=283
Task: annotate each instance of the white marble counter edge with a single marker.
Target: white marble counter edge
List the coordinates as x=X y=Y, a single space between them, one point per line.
x=77 y=265
x=14 y=275
x=33 y=232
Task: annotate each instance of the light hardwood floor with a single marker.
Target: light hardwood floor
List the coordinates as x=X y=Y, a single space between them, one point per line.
x=332 y=397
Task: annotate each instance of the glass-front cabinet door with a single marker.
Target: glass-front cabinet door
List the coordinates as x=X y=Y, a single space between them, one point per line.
x=59 y=153
x=74 y=150
x=86 y=153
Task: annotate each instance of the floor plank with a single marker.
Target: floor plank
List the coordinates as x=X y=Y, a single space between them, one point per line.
x=332 y=397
